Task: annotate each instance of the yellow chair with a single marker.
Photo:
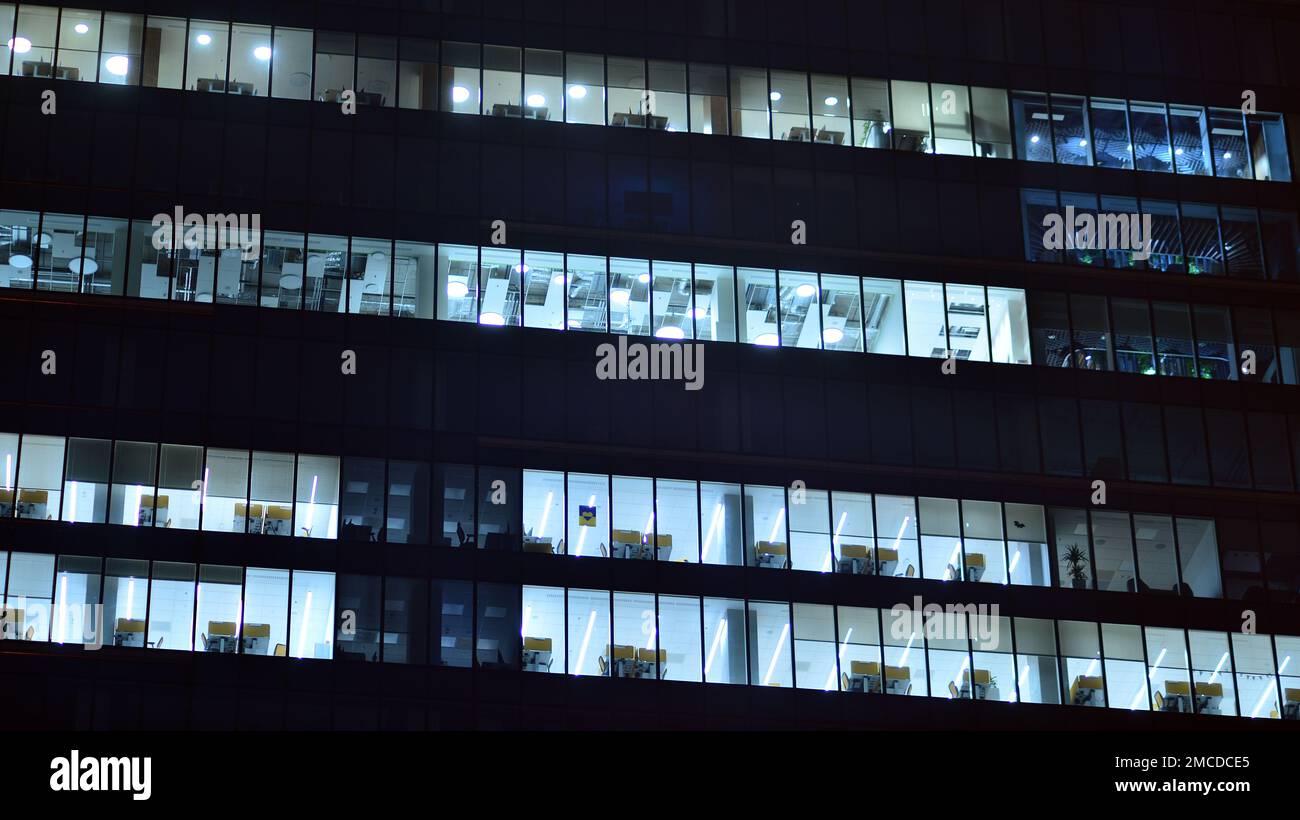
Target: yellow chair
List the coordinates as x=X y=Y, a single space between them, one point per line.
x=280 y=650
x=537 y=644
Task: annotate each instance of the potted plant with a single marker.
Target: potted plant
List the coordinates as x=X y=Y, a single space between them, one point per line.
x=991 y=691
x=1076 y=561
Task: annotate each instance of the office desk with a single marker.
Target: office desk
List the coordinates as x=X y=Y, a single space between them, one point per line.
x=854 y=560
x=540 y=545
x=129 y=632
x=1291 y=704
x=974 y=566
x=1209 y=696
x=1087 y=691
x=771 y=554
x=619 y=661
x=887 y=557
x=537 y=654
x=256 y=639
x=527 y=112
x=984 y=688
x=863 y=676
x=1177 y=697
x=629 y=120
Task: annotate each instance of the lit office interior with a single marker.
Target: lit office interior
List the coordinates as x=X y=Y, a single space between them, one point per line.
x=1200 y=239
x=498 y=286
x=508 y=81
x=587 y=515
x=955 y=654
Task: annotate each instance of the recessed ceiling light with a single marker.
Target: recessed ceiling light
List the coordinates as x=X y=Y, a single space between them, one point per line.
x=775 y=96
x=522 y=269
x=491 y=319
x=832 y=101
x=805 y=290
x=1034 y=139
x=557 y=279
x=81 y=28
x=766 y=340
x=1083 y=143
x=536 y=100
x=203 y=39
x=457 y=290
x=459 y=93
x=20 y=45
x=577 y=91
x=700 y=313
x=1178 y=152
x=670 y=332
x=262 y=53
x=620 y=297
x=117 y=64
x=643 y=278
x=20 y=260
x=832 y=335
x=1227 y=155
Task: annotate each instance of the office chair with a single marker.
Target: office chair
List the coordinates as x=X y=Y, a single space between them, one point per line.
x=952 y=689
x=460 y=535
x=31 y=633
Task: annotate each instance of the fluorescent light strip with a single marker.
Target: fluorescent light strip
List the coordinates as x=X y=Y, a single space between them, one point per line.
x=902 y=528
x=771 y=667
x=1219 y=668
x=63 y=608
x=586 y=641
x=302 y=630
x=1015 y=560
x=649 y=524
x=714 y=525
x=1272 y=688
x=546 y=514
x=72 y=501
x=780 y=519
x=130 y=598
x=910 y=640
x=718 y=639
x=523 y=625
x=830 y=678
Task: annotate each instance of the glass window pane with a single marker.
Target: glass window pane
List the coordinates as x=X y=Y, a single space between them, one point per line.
x=1241 y=242
x=1201 y=239
x=500 y=276
x=992 y=117
x=671 y=297
x=635 y=637
x=758 y=314
x=34 y=36
x=1213 y=692
x=708 y=99
x=584 y=86
x=29 y=596
x=406 y=620
x=457 y=283
x=770 y=662
x=1070 y=130
x=814 y=647
x=1070 y=548
x=1166 y=237
x=266 y=612
x=282 y=270
x=1268 y=151
x=588 y=517
x=40 y=477
x=544 y=289
x=134 y=468
x=627 y=98
x=497 y=645
x=1228 y=144
x=408 y=504
x=941 y=546
x=543 y=85
x=219 y=608
x=326 y=272
x=1173 y=327
x=853 y=539
x=750 y=103
x=102 y=265
x=311 y=615
x=680 y=637
x=499 y=510
x=1037 y=679
x=967 y=322
x=544 y=512
x=800 y=316
x=250 y=59
x=810 y=533
x=952 y=119
x=859 y=649
x=454 y=498
x=1028 y=562
x=898 y=552
x=1111 y=145
x=79 y=33
x=1080 y=649
x=1033 y=126
x=1149 y=123
x=225 y=490
x=417 y=74
x=461 y=90
x=376 y=70
x=205 y=64
x=789 y=98
x=720 y=521
x=363 y=499
x=61 y=239
x=164 y=52
x=451 y=610
x=715 y=303
x=291 y=63
x=1254 y=680
x=335 y=65
x=911 y=130
x=370 y=276
x=589 y=632
x=180 y=485
x=633 y=518
x=542 y=630
x=85 y=480
x=882 y=312
x=1126 y=680
x=765 y=530
x=724 y=641
x=20 y=251
x=926 y=324
x=415 y=269
x=1191 y=139
x=270 y=509
x=171 y=606
x=1198 y=552
x=317 y=510
x=985 y=558
x=904 y=647
x=629 y=296
x=676 y=521
x=126 y=595
x=830 y=110
x=1133 y=347
x=1008 y=325
x=1167 y=657
x=119 y=58
x=502 y=81
x=588 y=293
x=77 y=601
x=841 y=312
x=871 y=122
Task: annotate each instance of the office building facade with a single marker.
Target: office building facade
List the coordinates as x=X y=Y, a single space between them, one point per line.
x=576 y=365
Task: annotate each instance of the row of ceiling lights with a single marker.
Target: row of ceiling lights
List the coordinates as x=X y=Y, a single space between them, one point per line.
x=118 y=64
